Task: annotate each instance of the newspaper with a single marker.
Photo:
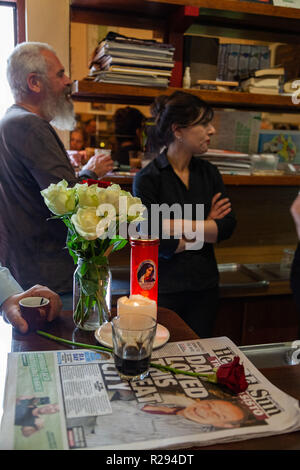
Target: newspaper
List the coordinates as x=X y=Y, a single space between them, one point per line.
x=75 y=399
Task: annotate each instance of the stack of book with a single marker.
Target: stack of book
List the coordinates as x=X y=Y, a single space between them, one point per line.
x=216 y=85
x=229 y=162
x=265 y=81
x=130 y=61
x=238 y=60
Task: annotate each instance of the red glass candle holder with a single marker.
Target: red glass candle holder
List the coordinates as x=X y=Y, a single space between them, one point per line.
x=144 y=267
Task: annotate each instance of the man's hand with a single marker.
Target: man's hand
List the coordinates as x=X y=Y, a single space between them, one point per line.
x=11 y=309
x=99 y=164
x=77 y=159
x=219 y=208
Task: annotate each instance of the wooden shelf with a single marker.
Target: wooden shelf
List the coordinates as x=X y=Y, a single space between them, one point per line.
x=87 y=90
x=240 y=6
x=229 y=180
x=157 y=14
x=156 y=7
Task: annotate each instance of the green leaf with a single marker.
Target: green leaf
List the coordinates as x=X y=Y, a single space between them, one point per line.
x=84 y=245
x=74 y=256
x=99 y=260
x=93 y=272
x=89 y=287
x=67 y=222
x=55 y=217
x=119 y=245
x=83 y=269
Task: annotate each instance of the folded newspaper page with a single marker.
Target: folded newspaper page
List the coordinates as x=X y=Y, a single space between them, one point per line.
x=74 y=399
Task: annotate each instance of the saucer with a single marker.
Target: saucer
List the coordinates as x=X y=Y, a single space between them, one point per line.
x=104 y=335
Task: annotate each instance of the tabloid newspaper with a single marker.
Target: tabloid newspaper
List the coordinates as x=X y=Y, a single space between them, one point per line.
x=74 y=399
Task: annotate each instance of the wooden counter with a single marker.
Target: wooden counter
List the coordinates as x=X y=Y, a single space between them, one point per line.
x=229 y=180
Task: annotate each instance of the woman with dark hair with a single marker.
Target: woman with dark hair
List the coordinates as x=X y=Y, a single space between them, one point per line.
x=188 y=272
x=128 y=124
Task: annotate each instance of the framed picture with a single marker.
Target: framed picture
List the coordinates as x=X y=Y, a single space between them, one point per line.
x=102 y=108
x=284 y=143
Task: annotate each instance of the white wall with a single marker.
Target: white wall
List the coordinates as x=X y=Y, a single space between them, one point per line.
x=49 y=21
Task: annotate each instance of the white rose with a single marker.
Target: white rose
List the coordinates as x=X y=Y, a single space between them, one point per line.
x=88 y=196
x=85 y=222
x=135 y=212
x=59 y=198
x=135 y=209
x=108 y=224
x=111 y=196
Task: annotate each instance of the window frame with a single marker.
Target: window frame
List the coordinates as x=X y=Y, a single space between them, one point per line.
x=19 y=18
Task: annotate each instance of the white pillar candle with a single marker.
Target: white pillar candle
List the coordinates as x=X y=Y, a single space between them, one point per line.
x=137 y=303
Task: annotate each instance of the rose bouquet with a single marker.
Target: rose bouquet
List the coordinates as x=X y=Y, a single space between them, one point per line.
x=97 y=219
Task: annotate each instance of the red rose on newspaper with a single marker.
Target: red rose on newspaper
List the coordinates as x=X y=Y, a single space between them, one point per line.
x=232 y=375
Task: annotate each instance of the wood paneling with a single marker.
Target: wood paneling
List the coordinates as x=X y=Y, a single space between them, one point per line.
x=258 y=320
x=263 y=216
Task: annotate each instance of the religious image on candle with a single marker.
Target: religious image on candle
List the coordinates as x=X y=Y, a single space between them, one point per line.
x=137 y=304
x=146 y=274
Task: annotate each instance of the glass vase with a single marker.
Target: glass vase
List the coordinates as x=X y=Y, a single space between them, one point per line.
x=91 y=295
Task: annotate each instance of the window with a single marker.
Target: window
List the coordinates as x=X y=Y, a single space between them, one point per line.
x=8 y=35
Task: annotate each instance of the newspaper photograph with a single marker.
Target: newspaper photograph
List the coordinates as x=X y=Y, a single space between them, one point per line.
x=74 y=399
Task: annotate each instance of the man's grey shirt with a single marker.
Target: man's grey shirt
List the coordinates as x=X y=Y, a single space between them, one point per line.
x=32 y=157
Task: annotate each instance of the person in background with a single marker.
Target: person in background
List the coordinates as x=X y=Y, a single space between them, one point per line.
x=11 y=293
x=188 y=277
x=128 y=124
x=32 y=157
x=295 y=270
x=90 y=130
x=77 y=153
x=77 y=140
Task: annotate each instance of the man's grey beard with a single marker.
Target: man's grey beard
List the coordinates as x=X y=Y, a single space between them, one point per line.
x=59 y=111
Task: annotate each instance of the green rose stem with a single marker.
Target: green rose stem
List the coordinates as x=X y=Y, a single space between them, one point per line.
x=88 y=298
x=73 y=343
x=79 y=312
x=97 y=296
x=108 y=251
x=208 y=377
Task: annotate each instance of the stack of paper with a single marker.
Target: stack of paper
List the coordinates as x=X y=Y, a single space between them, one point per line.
x=229 y=162
x=130 y=61
x=266 y=81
